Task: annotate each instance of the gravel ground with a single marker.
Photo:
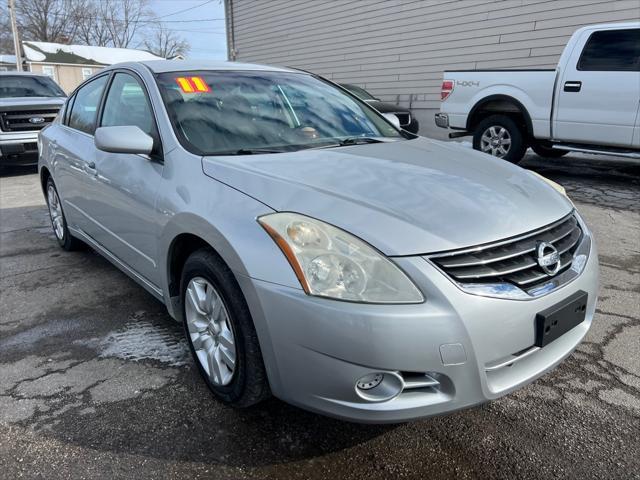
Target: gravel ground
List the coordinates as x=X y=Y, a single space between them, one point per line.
x=96 y=381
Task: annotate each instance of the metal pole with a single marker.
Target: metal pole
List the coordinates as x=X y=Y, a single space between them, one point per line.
x=16 y=37
x=231 y=38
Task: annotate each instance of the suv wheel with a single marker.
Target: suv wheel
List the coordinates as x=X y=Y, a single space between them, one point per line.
x=58 y=220
x=220 y=331
x=500 y=136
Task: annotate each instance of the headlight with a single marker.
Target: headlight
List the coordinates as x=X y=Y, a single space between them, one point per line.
x=330 y=262
x=556 y=186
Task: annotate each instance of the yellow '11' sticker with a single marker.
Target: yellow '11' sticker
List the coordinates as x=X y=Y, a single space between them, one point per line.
x=193 y=85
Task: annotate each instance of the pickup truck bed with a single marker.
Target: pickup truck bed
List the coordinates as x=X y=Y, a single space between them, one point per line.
x=529 y=87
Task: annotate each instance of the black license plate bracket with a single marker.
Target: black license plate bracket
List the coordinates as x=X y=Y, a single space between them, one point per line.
x=557 y=320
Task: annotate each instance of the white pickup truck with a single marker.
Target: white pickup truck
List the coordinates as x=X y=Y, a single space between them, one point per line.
x=589 y=103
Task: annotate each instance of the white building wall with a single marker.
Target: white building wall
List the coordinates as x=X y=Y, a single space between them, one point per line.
x=398 y=49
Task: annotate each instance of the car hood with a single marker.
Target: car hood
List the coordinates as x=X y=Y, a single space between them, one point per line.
x=384 y=107
x=404 y=197
x=26 y=103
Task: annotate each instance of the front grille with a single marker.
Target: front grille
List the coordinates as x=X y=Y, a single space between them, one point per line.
x=404 y=117
x=19 y=120
x=512 y=261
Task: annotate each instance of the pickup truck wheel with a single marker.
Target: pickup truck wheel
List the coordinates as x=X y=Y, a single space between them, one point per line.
x=58 y=220
x=548 y=152
x=500 y=136
x=220 y=331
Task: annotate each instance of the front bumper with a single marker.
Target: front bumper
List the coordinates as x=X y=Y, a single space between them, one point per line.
x=18 y=148
x=316 y=349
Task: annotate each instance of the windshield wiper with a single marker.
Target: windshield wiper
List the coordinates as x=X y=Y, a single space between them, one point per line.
x=251 y=151
x=358 y=141
x=345 y=142
x=290 y=148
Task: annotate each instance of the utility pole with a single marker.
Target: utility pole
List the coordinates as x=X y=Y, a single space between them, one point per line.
x=16 y=37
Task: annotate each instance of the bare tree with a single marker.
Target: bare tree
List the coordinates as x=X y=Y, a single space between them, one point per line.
x=106 y=23
x=91 y=27
x=165 y=43
x=6 y=40
x=123 y=19
x=48 y=20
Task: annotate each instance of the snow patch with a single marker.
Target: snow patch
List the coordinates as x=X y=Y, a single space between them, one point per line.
x=103 y=55
x=32 y=54
x=143 y=340
x=7 y=59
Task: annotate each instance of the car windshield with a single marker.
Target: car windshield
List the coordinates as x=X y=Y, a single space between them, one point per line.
x=216 y=113
x=359 y=92
x=12 y=86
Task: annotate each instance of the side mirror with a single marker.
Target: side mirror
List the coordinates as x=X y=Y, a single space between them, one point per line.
x=393 y=119
x=125 y=139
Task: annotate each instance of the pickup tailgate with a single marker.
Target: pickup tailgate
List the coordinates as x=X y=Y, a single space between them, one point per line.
x=532 y=89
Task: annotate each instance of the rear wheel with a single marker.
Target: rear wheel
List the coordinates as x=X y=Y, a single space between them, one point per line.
x=220 y=331
x=547 y=152
x=58 y=220
x=500 y=136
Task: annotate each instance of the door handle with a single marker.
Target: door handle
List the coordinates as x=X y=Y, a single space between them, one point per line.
x=90 y=168
x=572 y=86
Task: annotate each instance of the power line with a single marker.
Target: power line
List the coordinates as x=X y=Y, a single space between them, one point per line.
x=120 y=20
x=184 y=10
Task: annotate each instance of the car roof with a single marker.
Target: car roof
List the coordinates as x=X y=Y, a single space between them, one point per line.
x=610 y=26
x=161 y=66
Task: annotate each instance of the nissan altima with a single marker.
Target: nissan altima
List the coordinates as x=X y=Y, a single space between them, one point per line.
x=310 y=248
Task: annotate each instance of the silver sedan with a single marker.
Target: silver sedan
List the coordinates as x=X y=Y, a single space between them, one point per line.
x=311 y=248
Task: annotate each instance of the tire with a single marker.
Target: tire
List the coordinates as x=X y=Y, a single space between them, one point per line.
x=492 y=134
x=547 y=152
x=217 y=324
x=59 y=221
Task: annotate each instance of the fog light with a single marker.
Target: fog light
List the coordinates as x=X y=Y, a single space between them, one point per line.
x=379 y=386
x=370 y=381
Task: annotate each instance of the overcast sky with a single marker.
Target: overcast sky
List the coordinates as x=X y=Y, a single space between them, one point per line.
x=206 y=36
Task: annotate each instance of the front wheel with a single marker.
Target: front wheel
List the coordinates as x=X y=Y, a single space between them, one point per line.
x=220 y=331
x=500 y=136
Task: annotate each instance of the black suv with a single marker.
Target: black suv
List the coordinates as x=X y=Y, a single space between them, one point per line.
x=407 y=120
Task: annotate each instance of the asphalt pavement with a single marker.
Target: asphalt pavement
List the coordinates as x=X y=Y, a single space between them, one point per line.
x=96 y=380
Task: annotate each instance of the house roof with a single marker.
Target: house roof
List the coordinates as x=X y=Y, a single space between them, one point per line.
x=8 y=59
x=14 y=73
x=46 y=52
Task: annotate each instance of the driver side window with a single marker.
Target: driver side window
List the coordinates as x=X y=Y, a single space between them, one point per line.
x=127 y=104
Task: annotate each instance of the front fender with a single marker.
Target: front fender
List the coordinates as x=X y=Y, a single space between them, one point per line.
x=231 y=229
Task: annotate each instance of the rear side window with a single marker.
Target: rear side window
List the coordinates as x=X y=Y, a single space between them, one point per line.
x=85 y=106
x=612 y=51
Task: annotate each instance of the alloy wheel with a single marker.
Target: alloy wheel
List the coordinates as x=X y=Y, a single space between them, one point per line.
x=496 y=141
x=55 y=212
x=210 y=331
